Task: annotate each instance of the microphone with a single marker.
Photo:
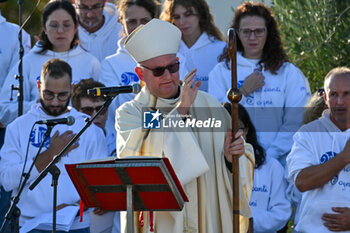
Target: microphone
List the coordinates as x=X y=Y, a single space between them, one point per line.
x=114 y=91
x=69 y=120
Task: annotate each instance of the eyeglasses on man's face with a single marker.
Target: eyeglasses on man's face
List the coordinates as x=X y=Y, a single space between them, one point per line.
x=159 y=71
x=49 y=95
x=85 y=8
x=246 y=32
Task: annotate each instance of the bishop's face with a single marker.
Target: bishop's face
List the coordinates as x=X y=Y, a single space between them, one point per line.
x=163 y=86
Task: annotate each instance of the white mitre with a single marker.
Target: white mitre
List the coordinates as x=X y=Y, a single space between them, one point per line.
x=156 y=38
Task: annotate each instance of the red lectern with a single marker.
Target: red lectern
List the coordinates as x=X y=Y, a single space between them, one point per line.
x=132 y=184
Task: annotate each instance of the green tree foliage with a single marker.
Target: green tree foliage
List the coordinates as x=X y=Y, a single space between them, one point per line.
x=316 y=34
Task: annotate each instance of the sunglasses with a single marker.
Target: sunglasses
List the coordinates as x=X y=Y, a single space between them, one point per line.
x=159 y=71
x=90 y=110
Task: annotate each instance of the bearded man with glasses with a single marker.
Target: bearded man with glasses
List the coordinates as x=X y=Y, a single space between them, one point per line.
x=99 y=29
x=197 y=154
x=55 y=92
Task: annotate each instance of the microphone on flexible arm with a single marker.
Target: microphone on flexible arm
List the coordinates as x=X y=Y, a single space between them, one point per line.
x=69 y=120
x=114 y=91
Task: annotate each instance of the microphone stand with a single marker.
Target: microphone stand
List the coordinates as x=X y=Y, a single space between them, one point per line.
x=55 y=171
x=19 y=88
x=14 y=210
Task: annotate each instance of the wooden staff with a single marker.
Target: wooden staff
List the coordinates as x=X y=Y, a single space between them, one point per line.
x=234 y=96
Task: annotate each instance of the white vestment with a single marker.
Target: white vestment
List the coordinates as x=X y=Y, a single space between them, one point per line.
x=197 y=155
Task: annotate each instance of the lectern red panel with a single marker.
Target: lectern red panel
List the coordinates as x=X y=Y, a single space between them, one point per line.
x=103 y=184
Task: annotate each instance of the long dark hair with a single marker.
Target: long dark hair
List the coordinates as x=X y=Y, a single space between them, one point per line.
x=206 y=20
x=50 y=7
x=252 y=139
x=273 y=55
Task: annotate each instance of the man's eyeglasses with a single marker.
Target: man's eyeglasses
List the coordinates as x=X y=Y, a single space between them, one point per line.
x=93 y=8
x=90 y=110
x=63 y=96
x=159 y=71
x=258 y=32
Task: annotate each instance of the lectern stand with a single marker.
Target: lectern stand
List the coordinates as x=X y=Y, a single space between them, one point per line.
x=131 y=184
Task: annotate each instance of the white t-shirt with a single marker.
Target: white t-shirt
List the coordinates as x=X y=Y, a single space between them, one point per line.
x=39 y=200
x=103 y=42
x=314 y=144
x=203 y=56
x=276 y=109
x=270 y=207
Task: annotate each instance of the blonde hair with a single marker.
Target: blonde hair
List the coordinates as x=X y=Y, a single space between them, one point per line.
x=314 y=107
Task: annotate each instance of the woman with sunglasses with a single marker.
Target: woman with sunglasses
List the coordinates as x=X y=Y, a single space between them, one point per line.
x=274 y=90
x=58 y=39
x=202 y=41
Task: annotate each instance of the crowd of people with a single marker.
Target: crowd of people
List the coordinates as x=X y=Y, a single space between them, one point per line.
x=292 y=146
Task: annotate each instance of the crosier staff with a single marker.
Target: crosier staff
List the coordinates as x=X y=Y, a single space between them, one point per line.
x=234 y=96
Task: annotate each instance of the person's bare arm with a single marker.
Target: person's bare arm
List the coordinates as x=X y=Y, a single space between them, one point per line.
x=316 y=176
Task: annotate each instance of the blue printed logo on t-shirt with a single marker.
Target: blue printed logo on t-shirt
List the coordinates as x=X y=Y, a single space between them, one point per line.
x=37 y=136
x=129 y=78
x=327 y=156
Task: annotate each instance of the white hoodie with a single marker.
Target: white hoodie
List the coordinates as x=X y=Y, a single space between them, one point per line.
x=84 y=65
x=269 y=204
x=103 y=42
x=119 y=70
x=314 y=144
x=9 y=46
x=203 y=56
x=39 y=200
x=275 y=109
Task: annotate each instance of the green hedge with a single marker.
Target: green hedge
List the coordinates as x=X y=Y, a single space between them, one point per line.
x=316 y=34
